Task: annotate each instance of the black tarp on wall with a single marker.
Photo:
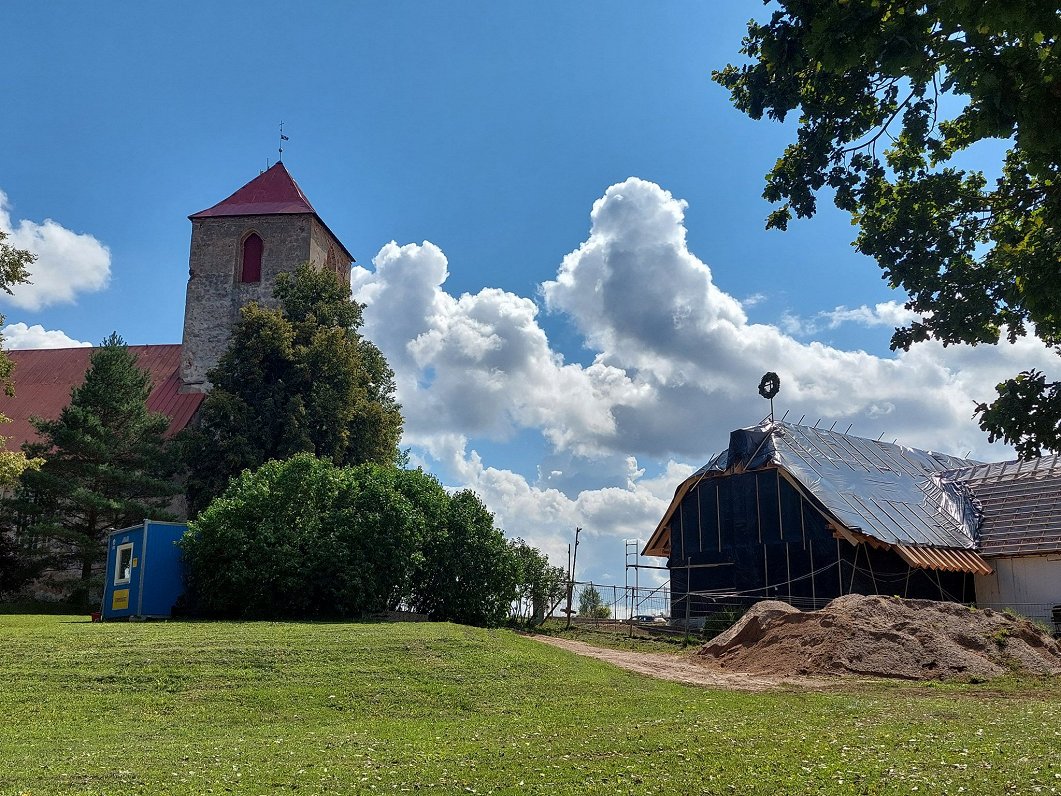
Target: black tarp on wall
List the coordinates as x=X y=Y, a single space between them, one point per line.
x=749 y=536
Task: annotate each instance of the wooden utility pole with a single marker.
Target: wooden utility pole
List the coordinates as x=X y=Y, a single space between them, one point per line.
x=571 y=558
x=568 y=609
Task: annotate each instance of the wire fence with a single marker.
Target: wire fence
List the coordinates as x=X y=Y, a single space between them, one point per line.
x=621 y=603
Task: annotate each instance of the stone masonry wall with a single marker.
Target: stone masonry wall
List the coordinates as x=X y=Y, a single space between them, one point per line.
x=215 y=293
x=325 y=251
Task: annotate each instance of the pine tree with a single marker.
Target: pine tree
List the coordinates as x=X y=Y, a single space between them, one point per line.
x=107 y=464
x=297 y=379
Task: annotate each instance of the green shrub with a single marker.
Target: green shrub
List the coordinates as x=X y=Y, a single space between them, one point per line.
x=303 y=538
x=1000 y=636
x=468 y=573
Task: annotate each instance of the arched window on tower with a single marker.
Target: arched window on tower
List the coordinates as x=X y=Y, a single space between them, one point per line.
x=251 y=270
x=331 y=262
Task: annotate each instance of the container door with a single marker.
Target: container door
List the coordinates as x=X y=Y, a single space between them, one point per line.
x=163 y=574
x=123 y=574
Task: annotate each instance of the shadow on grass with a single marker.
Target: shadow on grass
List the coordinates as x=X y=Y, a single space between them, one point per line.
x=28 y=607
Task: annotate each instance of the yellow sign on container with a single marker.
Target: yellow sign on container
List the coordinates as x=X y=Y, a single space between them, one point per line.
x=120 y=599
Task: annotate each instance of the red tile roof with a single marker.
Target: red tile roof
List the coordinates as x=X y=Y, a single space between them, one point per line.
x=44 y=377
x=270 y=193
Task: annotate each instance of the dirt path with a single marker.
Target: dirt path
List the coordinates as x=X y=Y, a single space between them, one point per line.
x=681 y=668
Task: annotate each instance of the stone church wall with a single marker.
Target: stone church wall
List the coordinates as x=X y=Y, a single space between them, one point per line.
x=215 y=293
x=326 y=252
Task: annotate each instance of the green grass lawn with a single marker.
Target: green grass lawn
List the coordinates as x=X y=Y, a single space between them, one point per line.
x=361 y=708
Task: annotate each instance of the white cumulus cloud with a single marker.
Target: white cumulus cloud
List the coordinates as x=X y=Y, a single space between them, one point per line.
x=651 y=309
x=676 y=366
x=68 y=263
x=479 y=364
x=885 y=313
x=20 y=336
x=547 y=517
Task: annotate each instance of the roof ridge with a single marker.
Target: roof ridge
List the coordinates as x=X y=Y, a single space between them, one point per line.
x=272 y=192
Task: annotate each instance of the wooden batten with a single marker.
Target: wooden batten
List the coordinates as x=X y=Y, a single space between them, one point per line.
x=944 y=559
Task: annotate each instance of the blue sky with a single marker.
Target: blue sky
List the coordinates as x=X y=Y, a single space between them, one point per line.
x=478 y=138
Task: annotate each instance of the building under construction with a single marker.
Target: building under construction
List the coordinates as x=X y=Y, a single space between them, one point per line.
x=805 y=515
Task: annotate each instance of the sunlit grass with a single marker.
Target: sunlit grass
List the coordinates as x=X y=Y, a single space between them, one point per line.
x=352 y=708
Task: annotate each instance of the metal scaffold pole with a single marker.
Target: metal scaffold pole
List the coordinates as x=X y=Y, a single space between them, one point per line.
x=688 y=595
x=633 y=551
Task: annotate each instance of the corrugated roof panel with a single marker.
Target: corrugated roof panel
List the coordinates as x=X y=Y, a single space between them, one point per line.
x=43 y=380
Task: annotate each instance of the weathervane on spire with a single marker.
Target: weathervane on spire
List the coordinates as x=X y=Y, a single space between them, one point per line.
x=282 y=139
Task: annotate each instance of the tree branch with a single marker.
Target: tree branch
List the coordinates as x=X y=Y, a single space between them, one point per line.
x=883 y=129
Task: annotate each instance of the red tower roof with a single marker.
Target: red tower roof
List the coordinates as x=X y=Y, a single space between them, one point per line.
x=270 y=193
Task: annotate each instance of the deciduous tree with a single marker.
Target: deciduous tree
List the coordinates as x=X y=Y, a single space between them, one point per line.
x=469 y=575
x=14 y=269
x=301 y=537
x=591 y=605
x=14 y=264
x=15 y=569
x=297 y=379
x=540 y=584
x=889 y=94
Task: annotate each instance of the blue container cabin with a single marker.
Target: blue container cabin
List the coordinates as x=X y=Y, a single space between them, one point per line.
x=145 y=571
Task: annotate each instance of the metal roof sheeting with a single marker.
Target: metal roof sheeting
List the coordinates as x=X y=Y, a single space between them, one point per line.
x=273 y=192
x=884 y=490
x=889 y=493
x=936 y=511
x=43 y=380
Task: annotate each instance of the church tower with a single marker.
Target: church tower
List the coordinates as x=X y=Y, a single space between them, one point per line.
x=238 y=247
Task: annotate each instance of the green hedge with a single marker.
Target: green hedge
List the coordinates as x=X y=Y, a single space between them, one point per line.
x=304 y=538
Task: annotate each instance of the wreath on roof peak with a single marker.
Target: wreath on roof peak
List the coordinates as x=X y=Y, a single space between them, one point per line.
x=769 y=385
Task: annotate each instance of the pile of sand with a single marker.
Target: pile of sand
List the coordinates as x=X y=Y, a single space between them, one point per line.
x=884 y=637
